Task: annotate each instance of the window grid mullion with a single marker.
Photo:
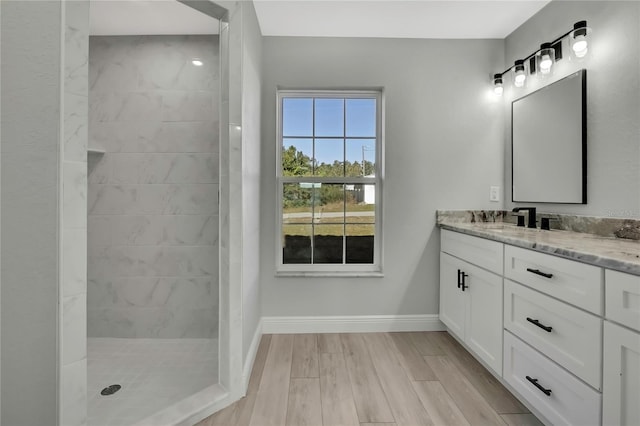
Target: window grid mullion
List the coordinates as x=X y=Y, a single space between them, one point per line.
x=344 y=219
x=344 y=187
x=329 y=179
x=313 y=187
x=328 y=137
x=344 y=134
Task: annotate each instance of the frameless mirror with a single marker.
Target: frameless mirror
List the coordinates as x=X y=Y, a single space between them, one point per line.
x=549 y=143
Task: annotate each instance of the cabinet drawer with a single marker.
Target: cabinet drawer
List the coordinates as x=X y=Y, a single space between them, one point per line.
x=572 y=337
x=485 y=253
x=572 y=282
x=570 y=402
x=622 y=298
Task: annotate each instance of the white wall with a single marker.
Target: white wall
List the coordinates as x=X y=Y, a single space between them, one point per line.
x=444 y=149
x=613 y=99
x=30 y=88
x=44 y=180
x=251 y=148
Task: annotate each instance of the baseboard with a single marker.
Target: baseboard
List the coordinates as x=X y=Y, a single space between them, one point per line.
x=192 y=409
x=251 y=357
x=351 y=324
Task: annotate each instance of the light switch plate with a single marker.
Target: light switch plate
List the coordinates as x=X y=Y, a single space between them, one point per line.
x=494 y=193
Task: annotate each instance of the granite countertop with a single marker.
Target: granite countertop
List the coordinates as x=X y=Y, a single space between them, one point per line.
x=612 y=253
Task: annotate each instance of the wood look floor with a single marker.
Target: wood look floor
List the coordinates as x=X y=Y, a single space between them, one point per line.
x=382 y=379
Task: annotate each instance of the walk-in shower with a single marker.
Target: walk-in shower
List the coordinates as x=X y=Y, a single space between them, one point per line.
x=153 y=291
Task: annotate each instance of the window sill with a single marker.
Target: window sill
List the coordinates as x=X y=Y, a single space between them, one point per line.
x=330 y=274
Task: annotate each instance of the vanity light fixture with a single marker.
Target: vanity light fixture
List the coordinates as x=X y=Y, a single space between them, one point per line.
x=544 y=59
x=518 y=73
x=579 y=42
x=497 y=84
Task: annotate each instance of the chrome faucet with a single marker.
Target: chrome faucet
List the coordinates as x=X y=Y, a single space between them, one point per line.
x=531 y=215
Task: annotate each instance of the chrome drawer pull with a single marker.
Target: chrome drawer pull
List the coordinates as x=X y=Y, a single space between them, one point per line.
x=536 y=322
x=536 y=384
x=538 y=272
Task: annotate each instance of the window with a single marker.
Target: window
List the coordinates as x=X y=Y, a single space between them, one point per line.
x=330 y=178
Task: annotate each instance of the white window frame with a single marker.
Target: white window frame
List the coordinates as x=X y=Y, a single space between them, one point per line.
x=333 y=269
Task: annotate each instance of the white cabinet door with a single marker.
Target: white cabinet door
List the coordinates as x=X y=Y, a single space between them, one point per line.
x=483 y=331
x=471 y=307
x=621 y=376
x=452 y=299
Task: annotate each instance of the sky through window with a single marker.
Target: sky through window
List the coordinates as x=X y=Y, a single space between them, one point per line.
x=337 y=124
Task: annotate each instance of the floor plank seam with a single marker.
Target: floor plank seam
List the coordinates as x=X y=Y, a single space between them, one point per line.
x=286 y=416
x=359 y=379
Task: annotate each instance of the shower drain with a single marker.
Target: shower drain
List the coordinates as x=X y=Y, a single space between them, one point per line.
x=110 y=390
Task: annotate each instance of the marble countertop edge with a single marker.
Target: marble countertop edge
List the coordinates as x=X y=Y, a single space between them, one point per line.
x=623 y=256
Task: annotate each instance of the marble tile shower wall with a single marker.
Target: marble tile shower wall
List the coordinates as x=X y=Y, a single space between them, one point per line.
x=73 y=232
x=153 y=196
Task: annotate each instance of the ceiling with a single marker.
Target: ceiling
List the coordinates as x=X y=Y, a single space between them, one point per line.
x=325 y=18
x=148 y=17
x=395 y=18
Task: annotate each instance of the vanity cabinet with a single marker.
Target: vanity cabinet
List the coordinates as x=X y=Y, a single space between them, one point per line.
x=536 y=319
x=471 y=295
x=621 y=372
x=563 y=335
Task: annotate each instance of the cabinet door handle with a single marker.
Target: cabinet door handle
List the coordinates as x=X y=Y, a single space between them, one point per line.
x=462 y=284
x=459 y=283
x=536 y=384
x=536 y=322
x=538 y=272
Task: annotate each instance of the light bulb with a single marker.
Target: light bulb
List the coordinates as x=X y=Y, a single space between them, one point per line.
x=580 y=46
x=518 y=73
x=579 y=43
x=546 y=58
x=197 y=62
x=497 y=84
x=545 y=64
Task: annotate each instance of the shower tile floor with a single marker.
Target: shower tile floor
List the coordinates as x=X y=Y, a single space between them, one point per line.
x=153 y=373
